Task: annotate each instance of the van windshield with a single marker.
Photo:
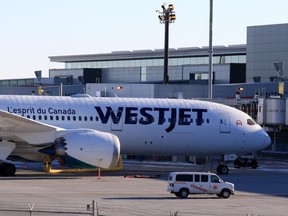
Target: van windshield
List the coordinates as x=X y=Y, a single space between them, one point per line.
x=215 y=179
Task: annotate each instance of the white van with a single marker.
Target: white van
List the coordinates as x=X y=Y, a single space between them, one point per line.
x=184 y=183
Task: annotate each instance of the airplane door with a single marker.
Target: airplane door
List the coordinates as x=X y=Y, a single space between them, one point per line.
x=117 y=124
x=225 y=126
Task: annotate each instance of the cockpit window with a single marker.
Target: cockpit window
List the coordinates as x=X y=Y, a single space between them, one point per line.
x=250 y=122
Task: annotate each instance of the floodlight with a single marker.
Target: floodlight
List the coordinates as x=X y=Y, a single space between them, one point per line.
x=172 y=17
x=171 y=7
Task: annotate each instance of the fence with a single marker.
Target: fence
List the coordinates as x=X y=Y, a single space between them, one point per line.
x=71 y=209
x=52 y=208
x=49 y=208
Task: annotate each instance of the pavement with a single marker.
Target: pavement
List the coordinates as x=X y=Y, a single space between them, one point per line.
x=140 y=189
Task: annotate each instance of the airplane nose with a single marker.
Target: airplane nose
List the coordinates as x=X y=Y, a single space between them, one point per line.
x=266 y=140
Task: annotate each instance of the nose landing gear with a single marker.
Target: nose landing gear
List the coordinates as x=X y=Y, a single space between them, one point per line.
x=240 y=161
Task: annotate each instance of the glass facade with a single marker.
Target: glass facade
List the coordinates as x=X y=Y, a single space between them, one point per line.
x=17 y=82
x=151 y=69
x=223 y=59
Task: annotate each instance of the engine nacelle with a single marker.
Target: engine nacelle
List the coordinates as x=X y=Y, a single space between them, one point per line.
x=85 y=147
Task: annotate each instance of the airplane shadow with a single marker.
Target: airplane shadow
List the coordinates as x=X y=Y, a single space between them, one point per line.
x=37 y=177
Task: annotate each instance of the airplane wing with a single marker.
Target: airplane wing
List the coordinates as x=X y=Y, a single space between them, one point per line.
x=15 y=129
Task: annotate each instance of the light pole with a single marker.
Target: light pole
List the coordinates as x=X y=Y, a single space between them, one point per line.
x=166 y=17
x=210 y=80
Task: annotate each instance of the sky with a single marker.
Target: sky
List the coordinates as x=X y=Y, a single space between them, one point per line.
x=33 y=30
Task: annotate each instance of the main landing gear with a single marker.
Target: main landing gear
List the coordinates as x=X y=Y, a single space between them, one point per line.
x=222 y=169
x=7 y=169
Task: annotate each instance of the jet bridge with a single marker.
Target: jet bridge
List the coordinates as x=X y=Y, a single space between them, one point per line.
x=272 y=112
x=273 y=116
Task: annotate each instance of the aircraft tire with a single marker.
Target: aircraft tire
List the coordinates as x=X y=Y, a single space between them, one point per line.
x=7 y=169
x=222 y=169
x=254 y=164
x=237 y=164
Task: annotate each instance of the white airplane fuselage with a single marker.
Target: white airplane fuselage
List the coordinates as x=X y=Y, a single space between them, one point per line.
x=148 y=126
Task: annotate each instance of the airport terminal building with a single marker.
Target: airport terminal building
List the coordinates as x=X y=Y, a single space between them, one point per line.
x=186 y=66
x=252 y=62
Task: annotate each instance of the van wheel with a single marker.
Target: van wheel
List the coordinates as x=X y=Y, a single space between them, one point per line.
x=225 y=193
x=183 y=193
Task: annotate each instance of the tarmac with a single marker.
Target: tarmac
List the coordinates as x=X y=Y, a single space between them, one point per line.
x=140 y=189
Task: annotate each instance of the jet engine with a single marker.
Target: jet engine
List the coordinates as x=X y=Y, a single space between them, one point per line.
x=85 y=148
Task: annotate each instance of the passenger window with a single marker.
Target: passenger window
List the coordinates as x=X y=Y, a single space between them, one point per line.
x=186 y=178
x=91 y=118
x=172 y=120
x=51 y=118
x=63 y=118
x=57 y=118
x=39 y=117
x=45 y=117
x=85 y=118
x=80 y=118
x=74 y=118
x=68 y=118
x=204 y=178
x=199 y=121
x=147 y=121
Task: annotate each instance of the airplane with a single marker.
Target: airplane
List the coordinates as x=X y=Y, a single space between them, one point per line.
x=85 y=131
